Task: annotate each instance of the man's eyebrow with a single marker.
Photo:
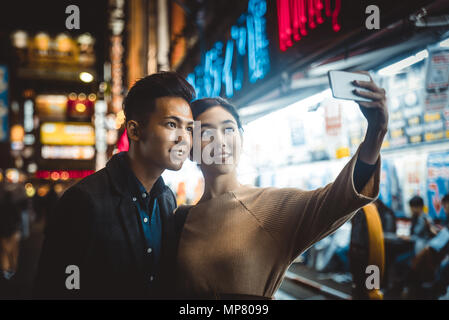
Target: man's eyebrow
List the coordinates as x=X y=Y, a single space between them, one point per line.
x=178 y=119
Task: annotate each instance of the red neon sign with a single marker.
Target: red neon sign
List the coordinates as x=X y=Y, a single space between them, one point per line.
x=62 y=174
x=294 y=16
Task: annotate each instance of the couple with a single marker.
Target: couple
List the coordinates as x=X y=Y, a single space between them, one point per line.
x=119 y=226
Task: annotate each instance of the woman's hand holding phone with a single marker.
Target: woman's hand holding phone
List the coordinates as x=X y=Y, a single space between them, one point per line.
x=376 y=113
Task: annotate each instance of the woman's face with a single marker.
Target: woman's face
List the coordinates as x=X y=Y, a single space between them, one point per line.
x=221 y=141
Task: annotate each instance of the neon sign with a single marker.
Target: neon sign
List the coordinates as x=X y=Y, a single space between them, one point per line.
x=64 y=175
x=3 y=103
x=116 y=22
x=223 y=66
x=294 y=15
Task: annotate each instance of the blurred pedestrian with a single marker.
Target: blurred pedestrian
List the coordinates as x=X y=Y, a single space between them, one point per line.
x=422 y=266
x=441 y=282
x=421 y=229
x=50 y=200
x=387 y=217
x=445 y=203
x=12 y=203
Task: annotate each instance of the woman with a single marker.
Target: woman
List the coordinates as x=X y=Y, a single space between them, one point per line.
x=238 y=241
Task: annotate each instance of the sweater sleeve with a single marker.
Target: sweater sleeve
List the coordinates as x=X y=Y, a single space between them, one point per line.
x=362 y=172
x=297 y=219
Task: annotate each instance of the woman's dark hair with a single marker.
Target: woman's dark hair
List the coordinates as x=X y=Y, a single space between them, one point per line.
x=416 y=201
x=201 y=105
x=141 y=98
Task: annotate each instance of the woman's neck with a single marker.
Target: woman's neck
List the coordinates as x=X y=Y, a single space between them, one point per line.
x=218 y=185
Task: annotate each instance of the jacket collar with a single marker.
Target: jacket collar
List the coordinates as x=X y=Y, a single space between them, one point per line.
x=124 y=180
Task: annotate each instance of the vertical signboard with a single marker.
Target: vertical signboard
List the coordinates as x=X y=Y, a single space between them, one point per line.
x=117 y=25
x=385 y=183
x=3 y=103
x=437 y=182
x=100 y=134
x=241 y=59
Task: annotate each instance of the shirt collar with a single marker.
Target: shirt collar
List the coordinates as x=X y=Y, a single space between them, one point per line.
x=134 y=185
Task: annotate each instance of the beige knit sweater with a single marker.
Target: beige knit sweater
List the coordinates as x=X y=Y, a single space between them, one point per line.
x=243 y=241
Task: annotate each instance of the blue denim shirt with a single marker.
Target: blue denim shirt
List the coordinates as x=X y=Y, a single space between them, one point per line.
x=148 y=215
x=150 y=222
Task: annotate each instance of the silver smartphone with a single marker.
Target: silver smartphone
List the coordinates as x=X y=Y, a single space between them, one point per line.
x=342 y=86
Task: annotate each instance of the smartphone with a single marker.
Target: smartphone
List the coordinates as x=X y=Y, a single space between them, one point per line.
x=342 y=87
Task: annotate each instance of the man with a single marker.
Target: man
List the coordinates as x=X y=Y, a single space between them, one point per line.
x=421 y=225
x=12 y=203
x=112 y=235
x=430 y=265
x=441 y=282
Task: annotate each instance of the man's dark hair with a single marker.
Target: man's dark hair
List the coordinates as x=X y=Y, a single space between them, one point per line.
x=201 y=105
x=416 y=201
x=445 y=198
x=141 y=98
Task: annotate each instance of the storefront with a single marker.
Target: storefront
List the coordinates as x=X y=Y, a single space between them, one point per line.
x=297 y=135
x=304 y=145
x=62 y=91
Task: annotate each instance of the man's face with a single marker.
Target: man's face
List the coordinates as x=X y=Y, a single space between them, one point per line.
x=166 y=140
x=416 y=210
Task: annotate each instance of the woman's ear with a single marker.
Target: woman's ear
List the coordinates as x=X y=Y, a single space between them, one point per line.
x=133 y=130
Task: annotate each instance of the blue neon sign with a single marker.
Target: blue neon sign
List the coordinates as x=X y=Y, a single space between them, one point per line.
x=3 y=103
x=222 y=71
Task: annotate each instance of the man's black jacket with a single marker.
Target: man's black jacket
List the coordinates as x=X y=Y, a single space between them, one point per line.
x=95 y=227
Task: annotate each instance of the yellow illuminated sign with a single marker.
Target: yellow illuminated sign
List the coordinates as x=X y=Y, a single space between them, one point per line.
x=429 y=117
x=60 y=133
